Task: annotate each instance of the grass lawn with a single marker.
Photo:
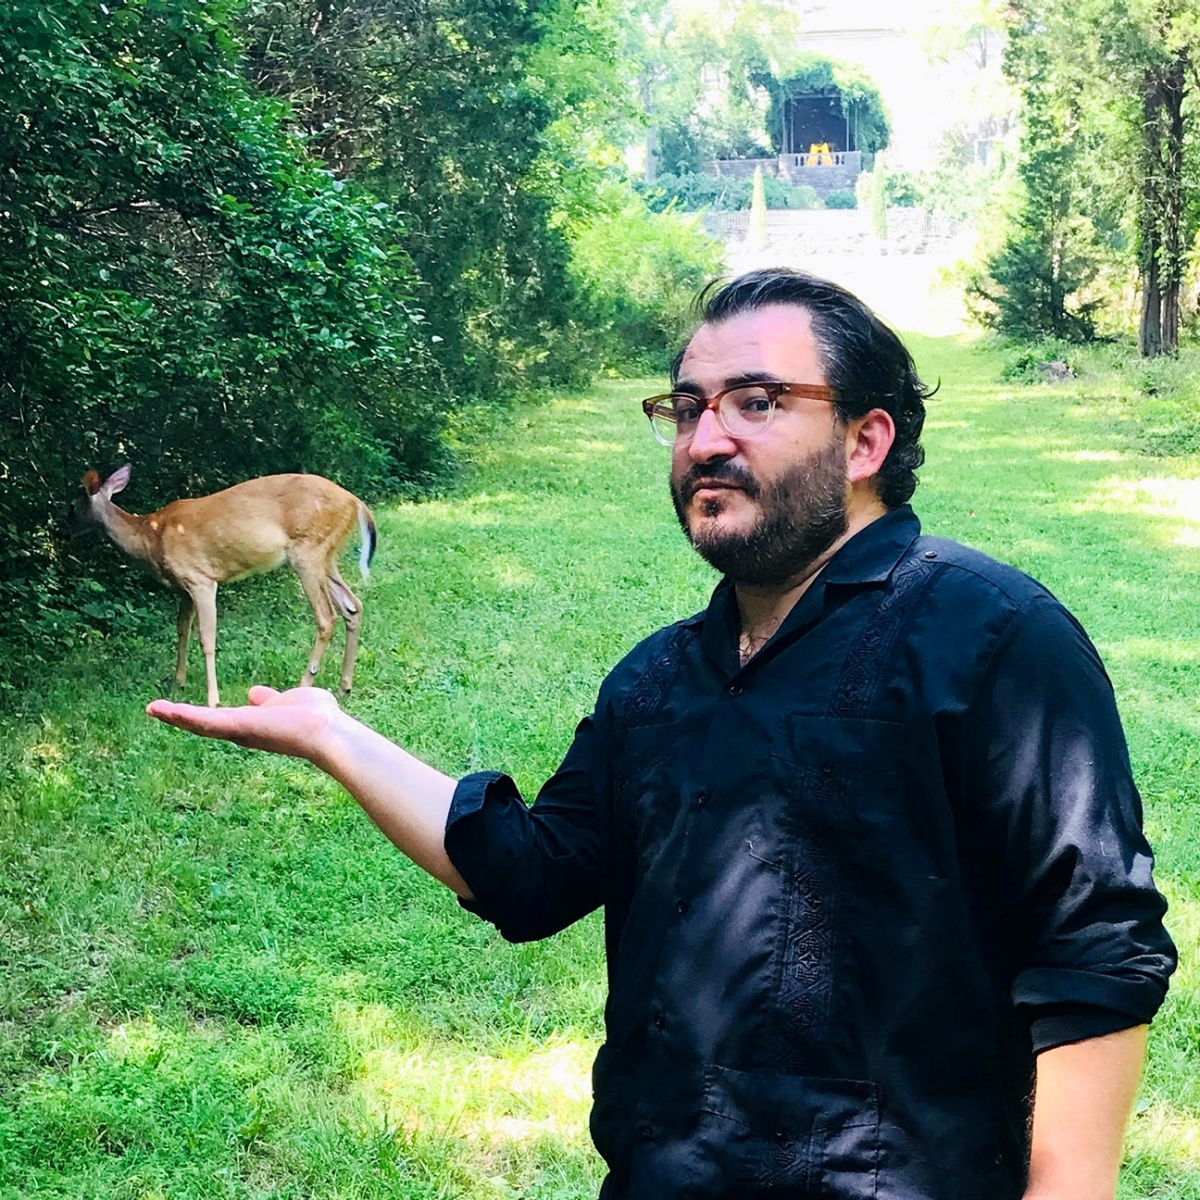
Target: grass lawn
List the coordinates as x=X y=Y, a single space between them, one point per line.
x=217 y=980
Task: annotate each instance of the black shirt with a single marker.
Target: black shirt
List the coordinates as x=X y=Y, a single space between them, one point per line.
x=850 y=887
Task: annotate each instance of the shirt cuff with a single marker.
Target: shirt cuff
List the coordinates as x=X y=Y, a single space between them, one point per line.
x=1077 y=1025
x=474 y=853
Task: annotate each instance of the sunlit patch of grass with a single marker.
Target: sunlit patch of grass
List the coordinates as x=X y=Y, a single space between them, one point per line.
x=1080 y=456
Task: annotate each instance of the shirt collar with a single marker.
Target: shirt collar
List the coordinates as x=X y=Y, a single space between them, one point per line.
x=869 y=557
x=873 y=553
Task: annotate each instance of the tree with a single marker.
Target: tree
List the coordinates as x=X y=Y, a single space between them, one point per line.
x=181 y=286
x=704 y=73
x=1032 y=286
x=1123 y=70
x=434 y=105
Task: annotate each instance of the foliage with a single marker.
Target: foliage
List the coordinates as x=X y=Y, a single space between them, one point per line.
x=841 y=198
x=1034 y=285
x=902 y=189
x=723 y=193
x=437 y=107
x=1107 y=85
x=859 y=98
x=703 y=75
x=182 y=288
x=640 y=271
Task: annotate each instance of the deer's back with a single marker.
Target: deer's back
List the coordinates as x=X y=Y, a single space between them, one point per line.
x=253 y=526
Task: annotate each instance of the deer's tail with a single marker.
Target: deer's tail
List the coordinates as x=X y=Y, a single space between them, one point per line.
x=366 y=529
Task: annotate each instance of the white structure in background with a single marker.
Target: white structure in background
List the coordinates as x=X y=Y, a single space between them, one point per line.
x=931 y=81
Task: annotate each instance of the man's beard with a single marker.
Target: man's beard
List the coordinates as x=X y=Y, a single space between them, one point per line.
x=803 y=514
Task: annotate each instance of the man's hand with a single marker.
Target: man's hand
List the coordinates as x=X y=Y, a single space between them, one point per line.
x=1082 y=1099
x=297 y=722
x=407 y=799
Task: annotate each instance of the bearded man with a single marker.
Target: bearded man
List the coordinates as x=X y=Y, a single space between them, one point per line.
x=879 y=912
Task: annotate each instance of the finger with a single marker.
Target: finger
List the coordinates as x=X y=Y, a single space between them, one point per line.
x=208 y=722
x=261 y=694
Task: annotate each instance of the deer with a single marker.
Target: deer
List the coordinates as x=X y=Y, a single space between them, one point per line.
x=193 y=545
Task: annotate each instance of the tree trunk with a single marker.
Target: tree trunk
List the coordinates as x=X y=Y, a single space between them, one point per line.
x=1174 y=252
x=1150 y=342
x=651 y=153
x=1161 y=219
x=1150 y=327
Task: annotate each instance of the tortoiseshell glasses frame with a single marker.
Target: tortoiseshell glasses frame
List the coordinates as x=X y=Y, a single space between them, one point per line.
x=745 y=411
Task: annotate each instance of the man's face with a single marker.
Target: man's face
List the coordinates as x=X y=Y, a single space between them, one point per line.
x=760 y=509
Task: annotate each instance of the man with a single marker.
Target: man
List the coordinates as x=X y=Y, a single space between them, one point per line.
x=864 y=830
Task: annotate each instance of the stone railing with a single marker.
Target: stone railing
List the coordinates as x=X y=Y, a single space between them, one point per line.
x=832 y=158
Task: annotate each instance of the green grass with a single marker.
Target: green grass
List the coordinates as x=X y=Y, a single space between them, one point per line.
x=216 y=979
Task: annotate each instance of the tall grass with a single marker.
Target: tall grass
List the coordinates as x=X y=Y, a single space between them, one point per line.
x=216 y=979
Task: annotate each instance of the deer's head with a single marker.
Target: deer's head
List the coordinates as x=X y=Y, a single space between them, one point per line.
x=85 y=511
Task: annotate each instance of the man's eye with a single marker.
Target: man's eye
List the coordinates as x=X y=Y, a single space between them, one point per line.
x=687 y=414
x=755 y=403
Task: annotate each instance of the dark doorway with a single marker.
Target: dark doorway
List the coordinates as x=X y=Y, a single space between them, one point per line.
x=814 y=119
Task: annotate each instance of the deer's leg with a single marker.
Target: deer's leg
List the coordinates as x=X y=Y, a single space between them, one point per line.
x=350 y=607
x=312 y=579
x=183 y=623
x=204 y=596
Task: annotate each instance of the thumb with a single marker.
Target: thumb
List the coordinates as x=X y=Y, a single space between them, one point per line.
x=261 y=694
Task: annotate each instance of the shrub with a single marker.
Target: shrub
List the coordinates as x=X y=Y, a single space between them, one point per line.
x=841 y=198
x=903 y=190
x=640 y=271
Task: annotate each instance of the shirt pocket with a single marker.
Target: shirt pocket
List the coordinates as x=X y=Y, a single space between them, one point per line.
x=792 y=1135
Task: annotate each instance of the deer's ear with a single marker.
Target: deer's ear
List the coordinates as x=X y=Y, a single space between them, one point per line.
x=91 y=483
x=116 y=481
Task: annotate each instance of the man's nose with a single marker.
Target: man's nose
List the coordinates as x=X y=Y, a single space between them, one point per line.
x=711 y=439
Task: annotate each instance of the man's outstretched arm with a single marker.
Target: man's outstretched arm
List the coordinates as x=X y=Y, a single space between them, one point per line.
x=405 y=797
x=1082 y=1100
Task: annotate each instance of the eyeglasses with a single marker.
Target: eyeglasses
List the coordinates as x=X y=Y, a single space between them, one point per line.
x=744 y=411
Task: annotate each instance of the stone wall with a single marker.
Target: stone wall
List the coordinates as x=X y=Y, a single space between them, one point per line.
x=843 y=173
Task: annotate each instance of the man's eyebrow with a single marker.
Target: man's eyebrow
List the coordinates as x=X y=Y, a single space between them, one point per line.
x=694 y=389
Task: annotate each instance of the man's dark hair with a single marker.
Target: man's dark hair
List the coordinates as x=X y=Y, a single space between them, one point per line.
x=865 y=363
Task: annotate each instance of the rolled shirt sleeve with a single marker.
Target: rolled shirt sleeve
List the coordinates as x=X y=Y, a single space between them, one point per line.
x=1063 y=817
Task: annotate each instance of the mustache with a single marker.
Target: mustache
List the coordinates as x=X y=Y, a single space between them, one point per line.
x=722 y=474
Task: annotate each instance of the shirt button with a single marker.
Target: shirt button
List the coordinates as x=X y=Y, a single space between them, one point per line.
x=681 y=907
x=827 y=768
x=645 y=1132
x=735 y=689
x=931 y=554
x=701 y=799
x=659 y=1020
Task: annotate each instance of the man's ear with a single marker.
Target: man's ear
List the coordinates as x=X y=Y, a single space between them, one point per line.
x=868 y=440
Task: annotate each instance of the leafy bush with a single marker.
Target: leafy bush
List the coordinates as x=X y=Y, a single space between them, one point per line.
x=640 y=271
x=902 y=189
x=1028 y=364
x=841 y=198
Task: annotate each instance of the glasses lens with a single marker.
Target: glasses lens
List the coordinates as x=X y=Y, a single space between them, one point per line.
x=746 y=411
x=662 y=421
